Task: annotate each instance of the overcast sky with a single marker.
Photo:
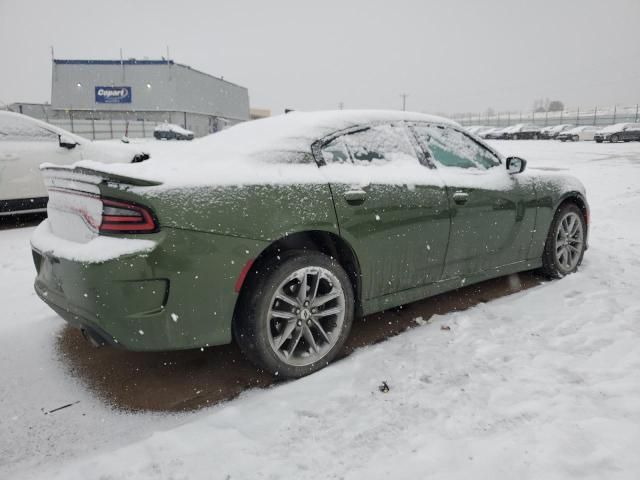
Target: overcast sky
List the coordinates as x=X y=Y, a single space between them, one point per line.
x=448 y=56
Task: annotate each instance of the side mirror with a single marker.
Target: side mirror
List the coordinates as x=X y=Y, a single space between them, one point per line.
x=66 y=142
x=516 y=165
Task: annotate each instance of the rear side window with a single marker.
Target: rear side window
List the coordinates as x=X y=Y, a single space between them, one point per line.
x=376 y=145
x=16 y=128
x=451 y=148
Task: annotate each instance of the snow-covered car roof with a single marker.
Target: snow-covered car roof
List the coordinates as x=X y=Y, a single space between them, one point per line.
x=172 y=127
x=12 y=123
x=240 y=153
x=560 y=128
x=513 y=128
x=615 y=127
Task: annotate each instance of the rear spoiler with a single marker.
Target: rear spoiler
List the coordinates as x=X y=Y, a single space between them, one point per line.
x=89 y=175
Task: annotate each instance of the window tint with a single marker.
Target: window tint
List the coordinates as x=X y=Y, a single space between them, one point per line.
x=376 y=145
x=451 y=148
x=15 y=128
x=335 y=151
x=379 y=144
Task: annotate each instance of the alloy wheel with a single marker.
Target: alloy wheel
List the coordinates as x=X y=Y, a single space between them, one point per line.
x=569 y=241
x=306 y=316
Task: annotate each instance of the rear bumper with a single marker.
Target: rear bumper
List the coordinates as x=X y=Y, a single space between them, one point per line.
x=180 y=295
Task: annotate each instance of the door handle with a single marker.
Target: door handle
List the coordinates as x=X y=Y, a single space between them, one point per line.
x=355 y=197
x=460 y=198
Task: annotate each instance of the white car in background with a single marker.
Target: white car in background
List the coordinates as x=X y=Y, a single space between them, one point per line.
x=26 y=143
x=490 y=133
x=585 y=132
x=478 y=129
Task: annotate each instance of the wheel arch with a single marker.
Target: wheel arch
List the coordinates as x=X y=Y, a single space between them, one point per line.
x=311 y=240
x=578 y=199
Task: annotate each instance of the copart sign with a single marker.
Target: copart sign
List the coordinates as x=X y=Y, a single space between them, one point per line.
x=113 y=94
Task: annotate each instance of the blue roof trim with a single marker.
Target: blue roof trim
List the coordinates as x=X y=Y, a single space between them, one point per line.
x=113 y=62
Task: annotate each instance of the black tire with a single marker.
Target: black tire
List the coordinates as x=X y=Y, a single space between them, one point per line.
x=251 y=322
x=614 y=138
x=551 y=267
x=575 y=138
x=598 y=141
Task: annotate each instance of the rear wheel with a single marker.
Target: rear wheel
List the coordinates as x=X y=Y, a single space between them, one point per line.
x=614 y=138
x=575 y=138
x=297 y=314
x=565 y=245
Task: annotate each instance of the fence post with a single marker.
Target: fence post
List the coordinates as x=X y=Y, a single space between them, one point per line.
x=546 y=118
x=595 y=114
x=578 y=117
x=93 y=127
x=615 y=107
x=111 y=124
x=71 y=120
x=144 y=131
x=636 y=119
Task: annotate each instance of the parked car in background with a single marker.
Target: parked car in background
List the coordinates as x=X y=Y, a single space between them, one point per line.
x=303 y=221
x=585 y=132
x=481 y=130
x=549 y=133
x=492 y=133
x=170 y=131
x=474 y=129
x=521 y=131
x=25 y=143
x=620 y=132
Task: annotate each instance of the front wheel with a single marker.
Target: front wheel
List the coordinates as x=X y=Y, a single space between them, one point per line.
x=297 y=314
x=614 y=139
x=566 y=242
x=576 y=138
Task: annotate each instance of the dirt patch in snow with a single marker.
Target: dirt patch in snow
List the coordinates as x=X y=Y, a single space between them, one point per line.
x=193 y=379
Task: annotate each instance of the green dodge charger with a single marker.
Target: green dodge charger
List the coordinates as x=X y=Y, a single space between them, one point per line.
x=275 y=233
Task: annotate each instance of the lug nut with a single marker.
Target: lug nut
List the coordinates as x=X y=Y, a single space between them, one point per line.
x=299 y=323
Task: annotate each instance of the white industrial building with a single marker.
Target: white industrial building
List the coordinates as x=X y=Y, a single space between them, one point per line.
x=108 y=98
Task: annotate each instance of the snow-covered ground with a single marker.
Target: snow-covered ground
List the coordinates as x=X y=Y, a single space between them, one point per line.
x=541 y=384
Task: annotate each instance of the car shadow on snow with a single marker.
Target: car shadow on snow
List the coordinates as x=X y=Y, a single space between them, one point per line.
x=193 y=379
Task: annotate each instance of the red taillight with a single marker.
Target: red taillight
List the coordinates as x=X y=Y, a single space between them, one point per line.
x=124 y=217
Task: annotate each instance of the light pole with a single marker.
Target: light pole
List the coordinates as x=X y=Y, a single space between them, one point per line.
x=404 y=101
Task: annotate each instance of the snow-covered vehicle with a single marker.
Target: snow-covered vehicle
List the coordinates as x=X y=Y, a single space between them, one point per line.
x=551 y=132
x=620 y=132
x=303 y=221
x=585 y=132
x=25 y=143
x=171 y=131
x=479 y=130
x=520 y=131
x=492 y=133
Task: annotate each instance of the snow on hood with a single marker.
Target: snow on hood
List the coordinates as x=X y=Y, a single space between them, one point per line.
x=258 y=151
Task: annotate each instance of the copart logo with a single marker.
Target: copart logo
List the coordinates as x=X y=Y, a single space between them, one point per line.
x=113 y=94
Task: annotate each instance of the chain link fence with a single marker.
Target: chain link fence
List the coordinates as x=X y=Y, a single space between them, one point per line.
x=581 y=116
